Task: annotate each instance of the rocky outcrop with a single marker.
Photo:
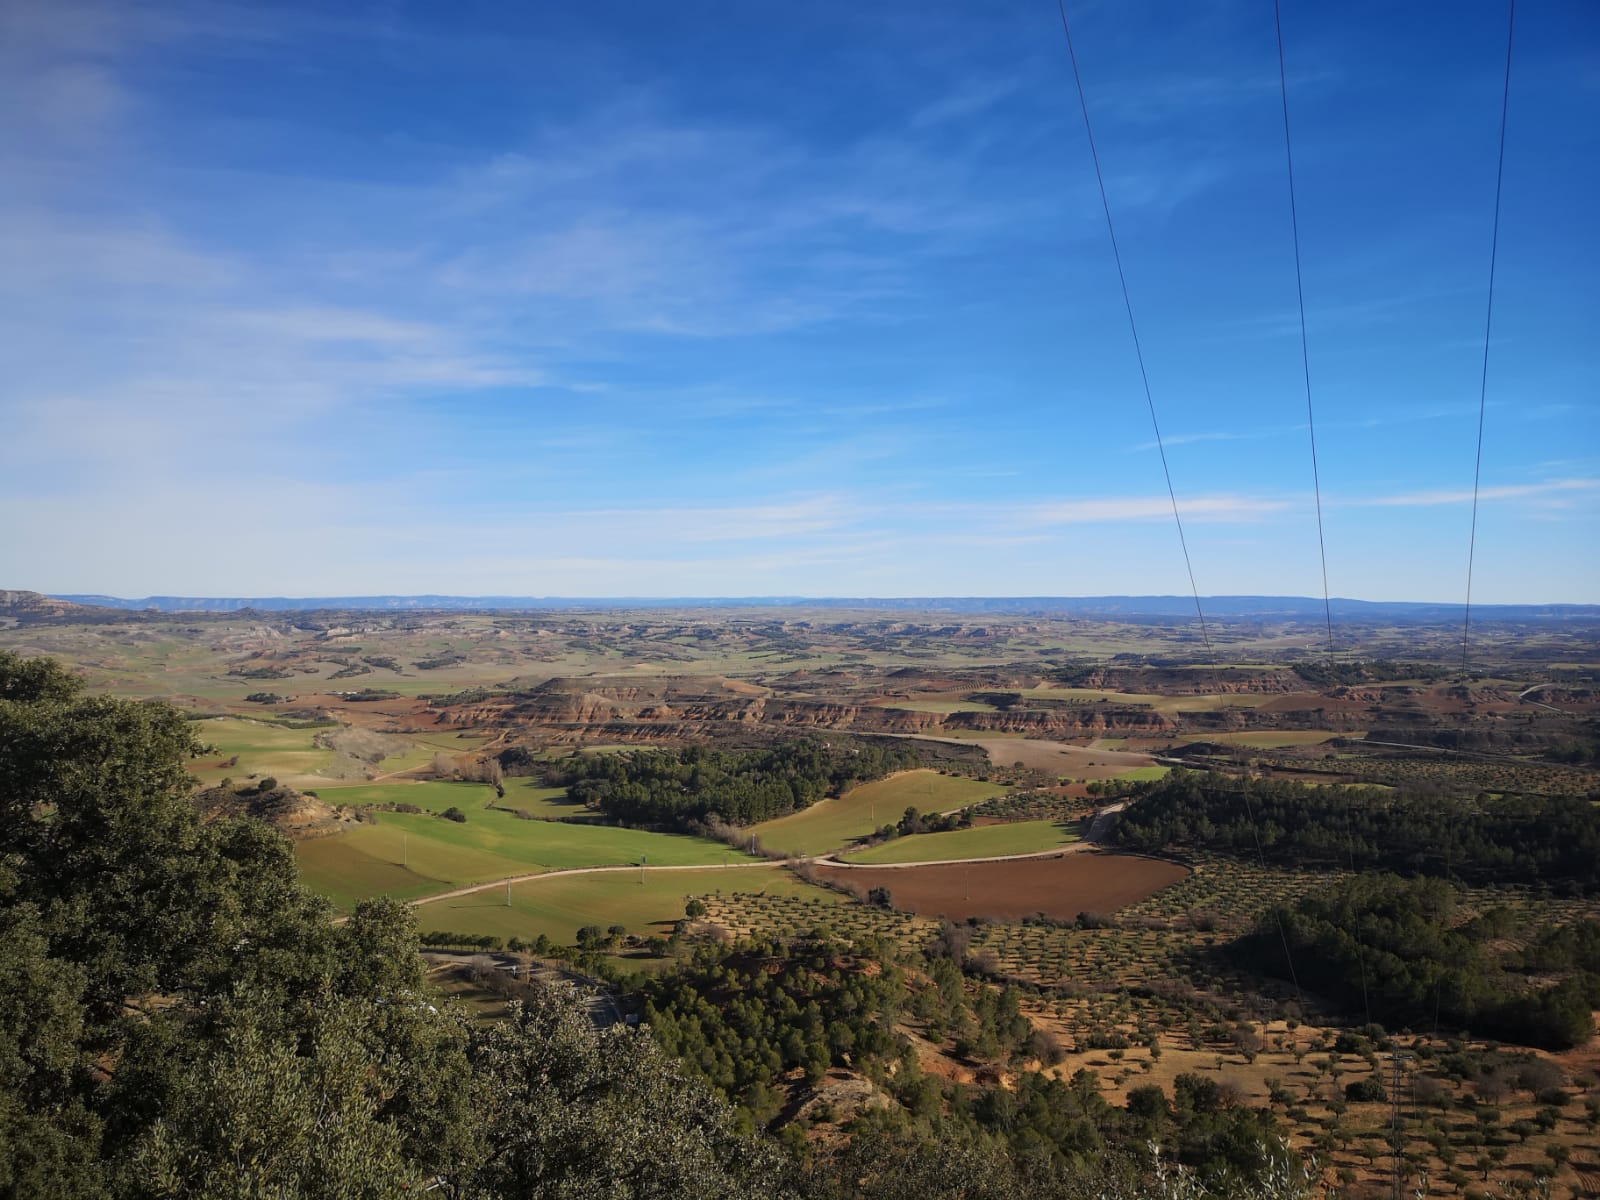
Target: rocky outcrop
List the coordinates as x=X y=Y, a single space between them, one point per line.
x=686 y=704
x=1200 y=681
x=294 y=814
x=24 y=607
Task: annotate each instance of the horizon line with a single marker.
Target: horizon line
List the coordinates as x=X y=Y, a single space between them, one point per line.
x=778 y=600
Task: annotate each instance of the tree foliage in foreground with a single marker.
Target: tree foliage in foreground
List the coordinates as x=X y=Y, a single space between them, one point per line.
x=180 y=1019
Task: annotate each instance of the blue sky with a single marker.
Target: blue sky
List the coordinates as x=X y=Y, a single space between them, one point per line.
x=743 y=299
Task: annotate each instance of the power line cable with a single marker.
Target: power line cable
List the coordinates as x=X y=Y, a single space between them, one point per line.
x=1488 y=324
x=1311 y=428
x=1144 y=377
x=1300 y=294
x=1133 y=327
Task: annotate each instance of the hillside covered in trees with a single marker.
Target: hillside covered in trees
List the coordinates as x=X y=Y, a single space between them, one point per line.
x=179 y=1017
x=1400 y=951
x=687 y=788
x=744 y=1017
x=1546 y=841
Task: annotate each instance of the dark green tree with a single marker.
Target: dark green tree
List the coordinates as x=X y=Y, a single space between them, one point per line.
x=180 y=1018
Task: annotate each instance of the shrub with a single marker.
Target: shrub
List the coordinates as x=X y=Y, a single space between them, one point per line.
x=1365 y=1091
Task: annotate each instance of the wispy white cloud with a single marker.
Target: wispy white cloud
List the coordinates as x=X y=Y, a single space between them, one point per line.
x=1189 y=439
x=968 y=100
x=1551 y=489
x=1149 y=508
x=131 y=352
x=540 y=352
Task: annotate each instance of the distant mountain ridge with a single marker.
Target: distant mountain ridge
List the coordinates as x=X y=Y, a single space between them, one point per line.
x=1166 y=607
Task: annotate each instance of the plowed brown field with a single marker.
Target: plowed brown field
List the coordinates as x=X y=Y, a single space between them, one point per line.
x=1008 y=891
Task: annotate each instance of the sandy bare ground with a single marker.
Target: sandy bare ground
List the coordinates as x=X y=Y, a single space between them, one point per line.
x=1059 y=757
x=1060 y=885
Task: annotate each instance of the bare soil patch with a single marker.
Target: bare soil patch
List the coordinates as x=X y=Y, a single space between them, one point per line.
x=1064 y=758
x=1061 y=758
x=1010 y=890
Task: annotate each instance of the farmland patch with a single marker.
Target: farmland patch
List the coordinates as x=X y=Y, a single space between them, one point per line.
x=830 y=824
x=983 y=841
x=1008 y=891
x=562 y=904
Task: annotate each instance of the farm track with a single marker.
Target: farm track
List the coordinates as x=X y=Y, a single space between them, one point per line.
x=1097 y=829
x=511 y=879
x=1056 y=852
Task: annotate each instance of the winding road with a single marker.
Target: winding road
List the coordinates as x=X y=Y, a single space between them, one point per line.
x=1098 y=824
x=510 y=879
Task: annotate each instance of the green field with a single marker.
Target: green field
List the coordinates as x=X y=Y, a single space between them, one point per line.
x=262 y=748
x=423 y=748
x=439 y=855
x=433 y=796
x=545 y=802
x=367 y=862
x=558 y=907
x=983 y=841
x=830 y=824
x=268 y=748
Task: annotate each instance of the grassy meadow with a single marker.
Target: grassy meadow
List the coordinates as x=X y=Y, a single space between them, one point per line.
x=408 y=855
x=430 y=795
x=547 y=803
x=262 y=748
x=830 y=824
x=560 y=905
x=982 y=841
